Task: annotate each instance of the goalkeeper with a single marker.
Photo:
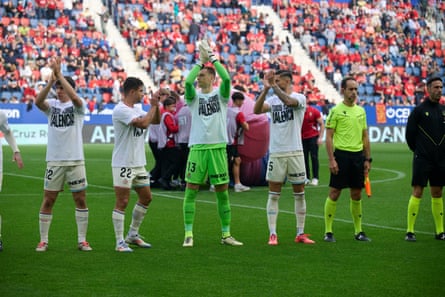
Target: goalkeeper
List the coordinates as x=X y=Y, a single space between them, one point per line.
x=208 y=139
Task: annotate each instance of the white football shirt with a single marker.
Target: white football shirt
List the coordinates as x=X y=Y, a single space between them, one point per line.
x=65 y=123
x=209 y=118
x=285 y=124
x=129 y=141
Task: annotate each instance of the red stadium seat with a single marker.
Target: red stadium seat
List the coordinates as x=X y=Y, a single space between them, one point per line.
x=25 y=22
x=106 y=97
x=190 y=48
x=6 y=21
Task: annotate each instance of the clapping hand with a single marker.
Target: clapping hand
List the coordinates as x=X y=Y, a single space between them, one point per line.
x=54 y=64
x=203 y=54
x=206 y=47
x=269 y=79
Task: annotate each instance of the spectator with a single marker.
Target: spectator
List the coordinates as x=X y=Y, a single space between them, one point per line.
x=153 y=132
x=236 y=125
x=312 y=132
x=117 y=96
x=183 y=118
x=167 y=143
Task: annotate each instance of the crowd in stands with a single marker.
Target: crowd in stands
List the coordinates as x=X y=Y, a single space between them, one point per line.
x=164 y=37
x=32 y=31
x=388 y=46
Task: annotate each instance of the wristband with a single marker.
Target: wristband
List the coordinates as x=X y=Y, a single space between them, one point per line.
x=212 y=58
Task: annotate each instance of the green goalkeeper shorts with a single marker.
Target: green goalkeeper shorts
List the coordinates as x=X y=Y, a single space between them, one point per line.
x=211 y=163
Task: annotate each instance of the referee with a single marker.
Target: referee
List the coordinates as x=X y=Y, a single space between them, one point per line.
x=349 y=154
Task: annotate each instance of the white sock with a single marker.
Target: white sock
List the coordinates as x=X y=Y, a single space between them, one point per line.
x=139 y=212
x=272 y=211
x=44 y=224
x=82 y=224
x=118 y=223
x=300 y=211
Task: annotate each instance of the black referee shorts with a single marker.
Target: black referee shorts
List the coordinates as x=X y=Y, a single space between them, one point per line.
x=351 y=170
x=425 y=170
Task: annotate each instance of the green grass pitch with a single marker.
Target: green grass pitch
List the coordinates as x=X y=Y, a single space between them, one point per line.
x=387 y=266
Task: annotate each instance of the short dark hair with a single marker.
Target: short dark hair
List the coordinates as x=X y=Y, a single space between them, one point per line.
x=69 y=80
x=239 y=88
x=169 y=101
x=345 y=80
x=237 y=96
x=433 y=78
x=284 y=73
x=174 y=95
x=132 y=83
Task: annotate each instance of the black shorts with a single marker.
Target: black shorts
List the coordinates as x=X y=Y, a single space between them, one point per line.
x=232 y=152
x=351 y=170
x=426 y=170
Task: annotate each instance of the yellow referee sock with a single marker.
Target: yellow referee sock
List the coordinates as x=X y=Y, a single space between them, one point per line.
x=355 y=207
x=330 y=208
x=413 y=210
x=437 y=209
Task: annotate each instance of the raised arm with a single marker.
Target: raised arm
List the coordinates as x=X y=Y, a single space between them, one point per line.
x=259 y=106
x=151 y=117
x=41 y=102
x=55 y=66
x=206 y=53
x=190 y=91
x=226 y=83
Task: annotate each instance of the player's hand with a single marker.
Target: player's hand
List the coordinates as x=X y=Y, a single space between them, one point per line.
x=154 y=101
x=269 y=78
x=367 y=167
x=160 y=94
x=54 y=64
x=17 y=157
x=203 y=53
x=333 y=167
x=206 y=47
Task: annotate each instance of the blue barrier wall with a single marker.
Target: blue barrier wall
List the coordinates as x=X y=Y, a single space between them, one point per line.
x=386 y=124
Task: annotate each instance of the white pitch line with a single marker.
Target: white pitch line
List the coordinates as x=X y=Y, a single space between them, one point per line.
x=399 y=175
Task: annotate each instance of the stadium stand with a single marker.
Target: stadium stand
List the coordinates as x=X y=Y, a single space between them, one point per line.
x=30 y=36
x=390 y=47
x=383 y=42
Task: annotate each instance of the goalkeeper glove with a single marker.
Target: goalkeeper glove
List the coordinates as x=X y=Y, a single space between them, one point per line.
x=209 y=51
x=203 y=55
